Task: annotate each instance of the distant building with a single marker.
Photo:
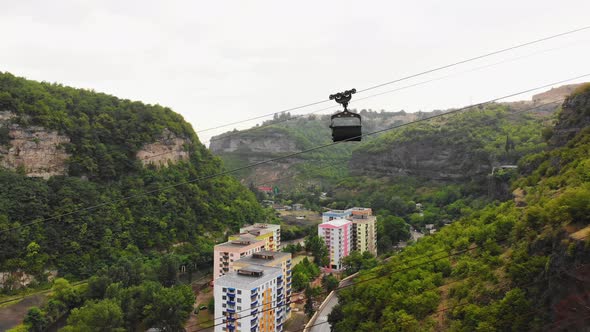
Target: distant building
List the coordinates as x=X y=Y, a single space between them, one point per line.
x=270 y=233
x=225 y=254
x=251 y=299
x=364 y=231
x=297 y=207
x=265 y=189
x=337 y=234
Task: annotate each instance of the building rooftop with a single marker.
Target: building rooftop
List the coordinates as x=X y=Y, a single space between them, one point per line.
x=366 y=219
x=261 y=226
x=240 y=242
x=336 y=222
x=336 y=212
x=248 y=277
x=263 y=257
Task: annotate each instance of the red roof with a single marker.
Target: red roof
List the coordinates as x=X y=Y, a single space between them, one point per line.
x=265 y=188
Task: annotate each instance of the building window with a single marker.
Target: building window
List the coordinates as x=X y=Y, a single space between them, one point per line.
x=224 y=289
x=224 y=297
x=239 y=300
x=239 y=292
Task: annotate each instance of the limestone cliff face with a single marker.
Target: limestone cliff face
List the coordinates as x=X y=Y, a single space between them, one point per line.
x=421 y=158
x=36 y=150
x=168 y=149
x=269 y=143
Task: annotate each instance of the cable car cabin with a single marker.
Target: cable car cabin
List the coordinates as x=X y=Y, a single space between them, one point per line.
x=346 y=126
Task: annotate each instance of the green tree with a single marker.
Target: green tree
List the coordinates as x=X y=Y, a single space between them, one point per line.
x=329 y=282
x=101 y=316
x=36 y=320
x=168 y=270
x=64 y=292
x=170 y=308
x=317 y=247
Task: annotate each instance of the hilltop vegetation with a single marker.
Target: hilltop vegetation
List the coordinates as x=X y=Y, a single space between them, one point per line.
x=501 y=267
x=46 y=225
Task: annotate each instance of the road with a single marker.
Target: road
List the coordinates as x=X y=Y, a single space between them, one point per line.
x=323 y=315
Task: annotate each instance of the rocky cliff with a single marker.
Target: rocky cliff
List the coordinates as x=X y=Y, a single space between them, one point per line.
x=425 y=158
x=575 y=116
x=40 y=152
x=463 y=146
x=34 y=150
x=169 y=148
x=271 y=142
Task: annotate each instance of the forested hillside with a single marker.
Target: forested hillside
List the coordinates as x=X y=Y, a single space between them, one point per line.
x=515 y=265
x=50 y=225
x=457 y=147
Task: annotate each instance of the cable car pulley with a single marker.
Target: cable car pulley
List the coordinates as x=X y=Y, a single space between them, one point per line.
x=345 y=125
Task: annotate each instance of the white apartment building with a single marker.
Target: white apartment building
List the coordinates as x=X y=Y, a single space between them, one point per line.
x=251 y=299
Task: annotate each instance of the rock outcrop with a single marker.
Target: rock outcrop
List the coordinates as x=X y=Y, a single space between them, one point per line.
x=36 y=151
x=575 y=116
x=168 y=149
x=559 y=93
x=269 y=143
x=421 y=158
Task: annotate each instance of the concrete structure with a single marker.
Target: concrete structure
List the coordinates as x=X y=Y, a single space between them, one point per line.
x=364 y=233
x=250 y=299
x=364 y=230
x=336 y=214
x=270 y=233
x=225 y=254
x=337 y=234
x=276 y=259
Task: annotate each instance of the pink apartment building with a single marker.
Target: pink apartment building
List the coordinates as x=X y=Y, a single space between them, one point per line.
x=226 y=253
x=337 y=234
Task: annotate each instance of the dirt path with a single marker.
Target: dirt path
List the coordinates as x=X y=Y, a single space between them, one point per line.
x=12 y=315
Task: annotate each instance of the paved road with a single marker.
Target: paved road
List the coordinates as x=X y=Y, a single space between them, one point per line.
x=323 y=315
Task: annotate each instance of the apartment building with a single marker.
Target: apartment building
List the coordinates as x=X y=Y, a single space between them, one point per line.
x=270 y=233
x=364 y=230
x=225 y=254
x=364 y=234
x=251 y=299
x=281 y=260
x=337 y=235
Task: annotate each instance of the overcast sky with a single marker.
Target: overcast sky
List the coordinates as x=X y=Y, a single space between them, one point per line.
x=221 y=61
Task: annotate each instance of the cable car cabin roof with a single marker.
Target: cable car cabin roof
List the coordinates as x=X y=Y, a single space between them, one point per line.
x=346 y=126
